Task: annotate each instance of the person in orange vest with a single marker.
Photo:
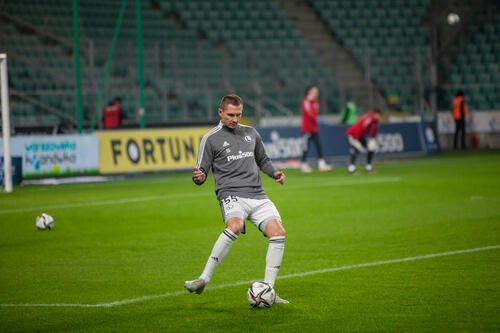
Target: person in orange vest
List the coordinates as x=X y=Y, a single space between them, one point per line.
x=113 y=114
x=460 y=111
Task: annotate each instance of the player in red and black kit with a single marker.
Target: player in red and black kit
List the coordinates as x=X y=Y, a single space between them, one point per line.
x=310 y=128
x=361 y=137
x=113 y=114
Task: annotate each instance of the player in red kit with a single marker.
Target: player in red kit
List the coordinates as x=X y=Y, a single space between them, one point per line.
x=361 y=138
x=113 y=114
x=310 y=128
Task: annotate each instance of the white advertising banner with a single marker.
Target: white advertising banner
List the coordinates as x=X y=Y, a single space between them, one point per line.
x=477 y=122
x=56 y=155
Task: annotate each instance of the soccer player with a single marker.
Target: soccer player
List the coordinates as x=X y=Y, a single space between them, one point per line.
x=361 y=137
x=310 y=129
x=234 y=153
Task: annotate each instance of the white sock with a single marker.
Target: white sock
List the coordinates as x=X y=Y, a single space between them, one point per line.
x=273 y=258
x=368 y=167
x=220 y=250
x=351 y=168
x=321 y=163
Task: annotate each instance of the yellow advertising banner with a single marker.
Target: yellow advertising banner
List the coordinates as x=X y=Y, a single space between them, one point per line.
x=163 y=149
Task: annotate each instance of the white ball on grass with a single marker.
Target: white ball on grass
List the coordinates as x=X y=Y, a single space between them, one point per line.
x=261 y=295
x=44 y=222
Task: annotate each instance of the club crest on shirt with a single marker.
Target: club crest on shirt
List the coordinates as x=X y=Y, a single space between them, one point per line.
x=248 y=138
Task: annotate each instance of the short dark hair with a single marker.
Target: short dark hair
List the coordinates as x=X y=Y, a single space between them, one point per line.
x=460 y=92
x=308 y=88
x=230 y=99
x=377 y=110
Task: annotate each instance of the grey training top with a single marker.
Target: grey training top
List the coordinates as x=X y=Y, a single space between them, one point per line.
x=233 y=155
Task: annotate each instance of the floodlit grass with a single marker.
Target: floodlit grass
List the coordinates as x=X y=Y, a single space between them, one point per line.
x=145 y=237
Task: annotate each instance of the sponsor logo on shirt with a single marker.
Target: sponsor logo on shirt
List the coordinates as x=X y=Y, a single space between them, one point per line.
x=240 y=156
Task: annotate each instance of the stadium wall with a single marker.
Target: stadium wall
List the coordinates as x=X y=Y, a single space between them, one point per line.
x=56 y=155
x=124 y=151
x=149 y=150
x=482 y=128
x=286 y=143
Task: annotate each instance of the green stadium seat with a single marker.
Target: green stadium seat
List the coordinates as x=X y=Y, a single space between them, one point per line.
x=269 y=33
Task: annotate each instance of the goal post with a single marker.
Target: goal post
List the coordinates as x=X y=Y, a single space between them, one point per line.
x=4 y=96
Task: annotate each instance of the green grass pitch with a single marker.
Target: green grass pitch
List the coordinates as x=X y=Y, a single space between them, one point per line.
x=137 y=238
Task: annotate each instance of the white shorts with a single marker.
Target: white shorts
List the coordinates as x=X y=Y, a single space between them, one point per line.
x=257 y=211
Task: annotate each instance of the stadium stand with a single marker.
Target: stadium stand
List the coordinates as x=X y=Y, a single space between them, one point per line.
x=389 y=33
x=194 y=51
x=475 y=66
x=265 y=44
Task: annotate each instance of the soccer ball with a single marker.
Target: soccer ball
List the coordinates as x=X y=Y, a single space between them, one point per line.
x=453 y=18
x=261 y=295
x=44 y=222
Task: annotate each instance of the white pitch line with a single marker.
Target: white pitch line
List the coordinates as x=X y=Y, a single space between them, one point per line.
x=342 y=183
x=189 y=195
x=477 y=197
x=288 y=276
x=104 y=203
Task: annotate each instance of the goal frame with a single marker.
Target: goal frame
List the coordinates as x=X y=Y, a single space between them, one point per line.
x=4 y=96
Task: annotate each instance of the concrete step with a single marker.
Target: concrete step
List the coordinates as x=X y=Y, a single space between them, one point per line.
x=349 y=75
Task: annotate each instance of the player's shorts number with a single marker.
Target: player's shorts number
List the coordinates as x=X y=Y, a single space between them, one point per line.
x=230 y=199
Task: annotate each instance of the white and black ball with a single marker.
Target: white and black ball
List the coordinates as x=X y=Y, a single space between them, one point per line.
x=44 y=222
x=261 y=295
